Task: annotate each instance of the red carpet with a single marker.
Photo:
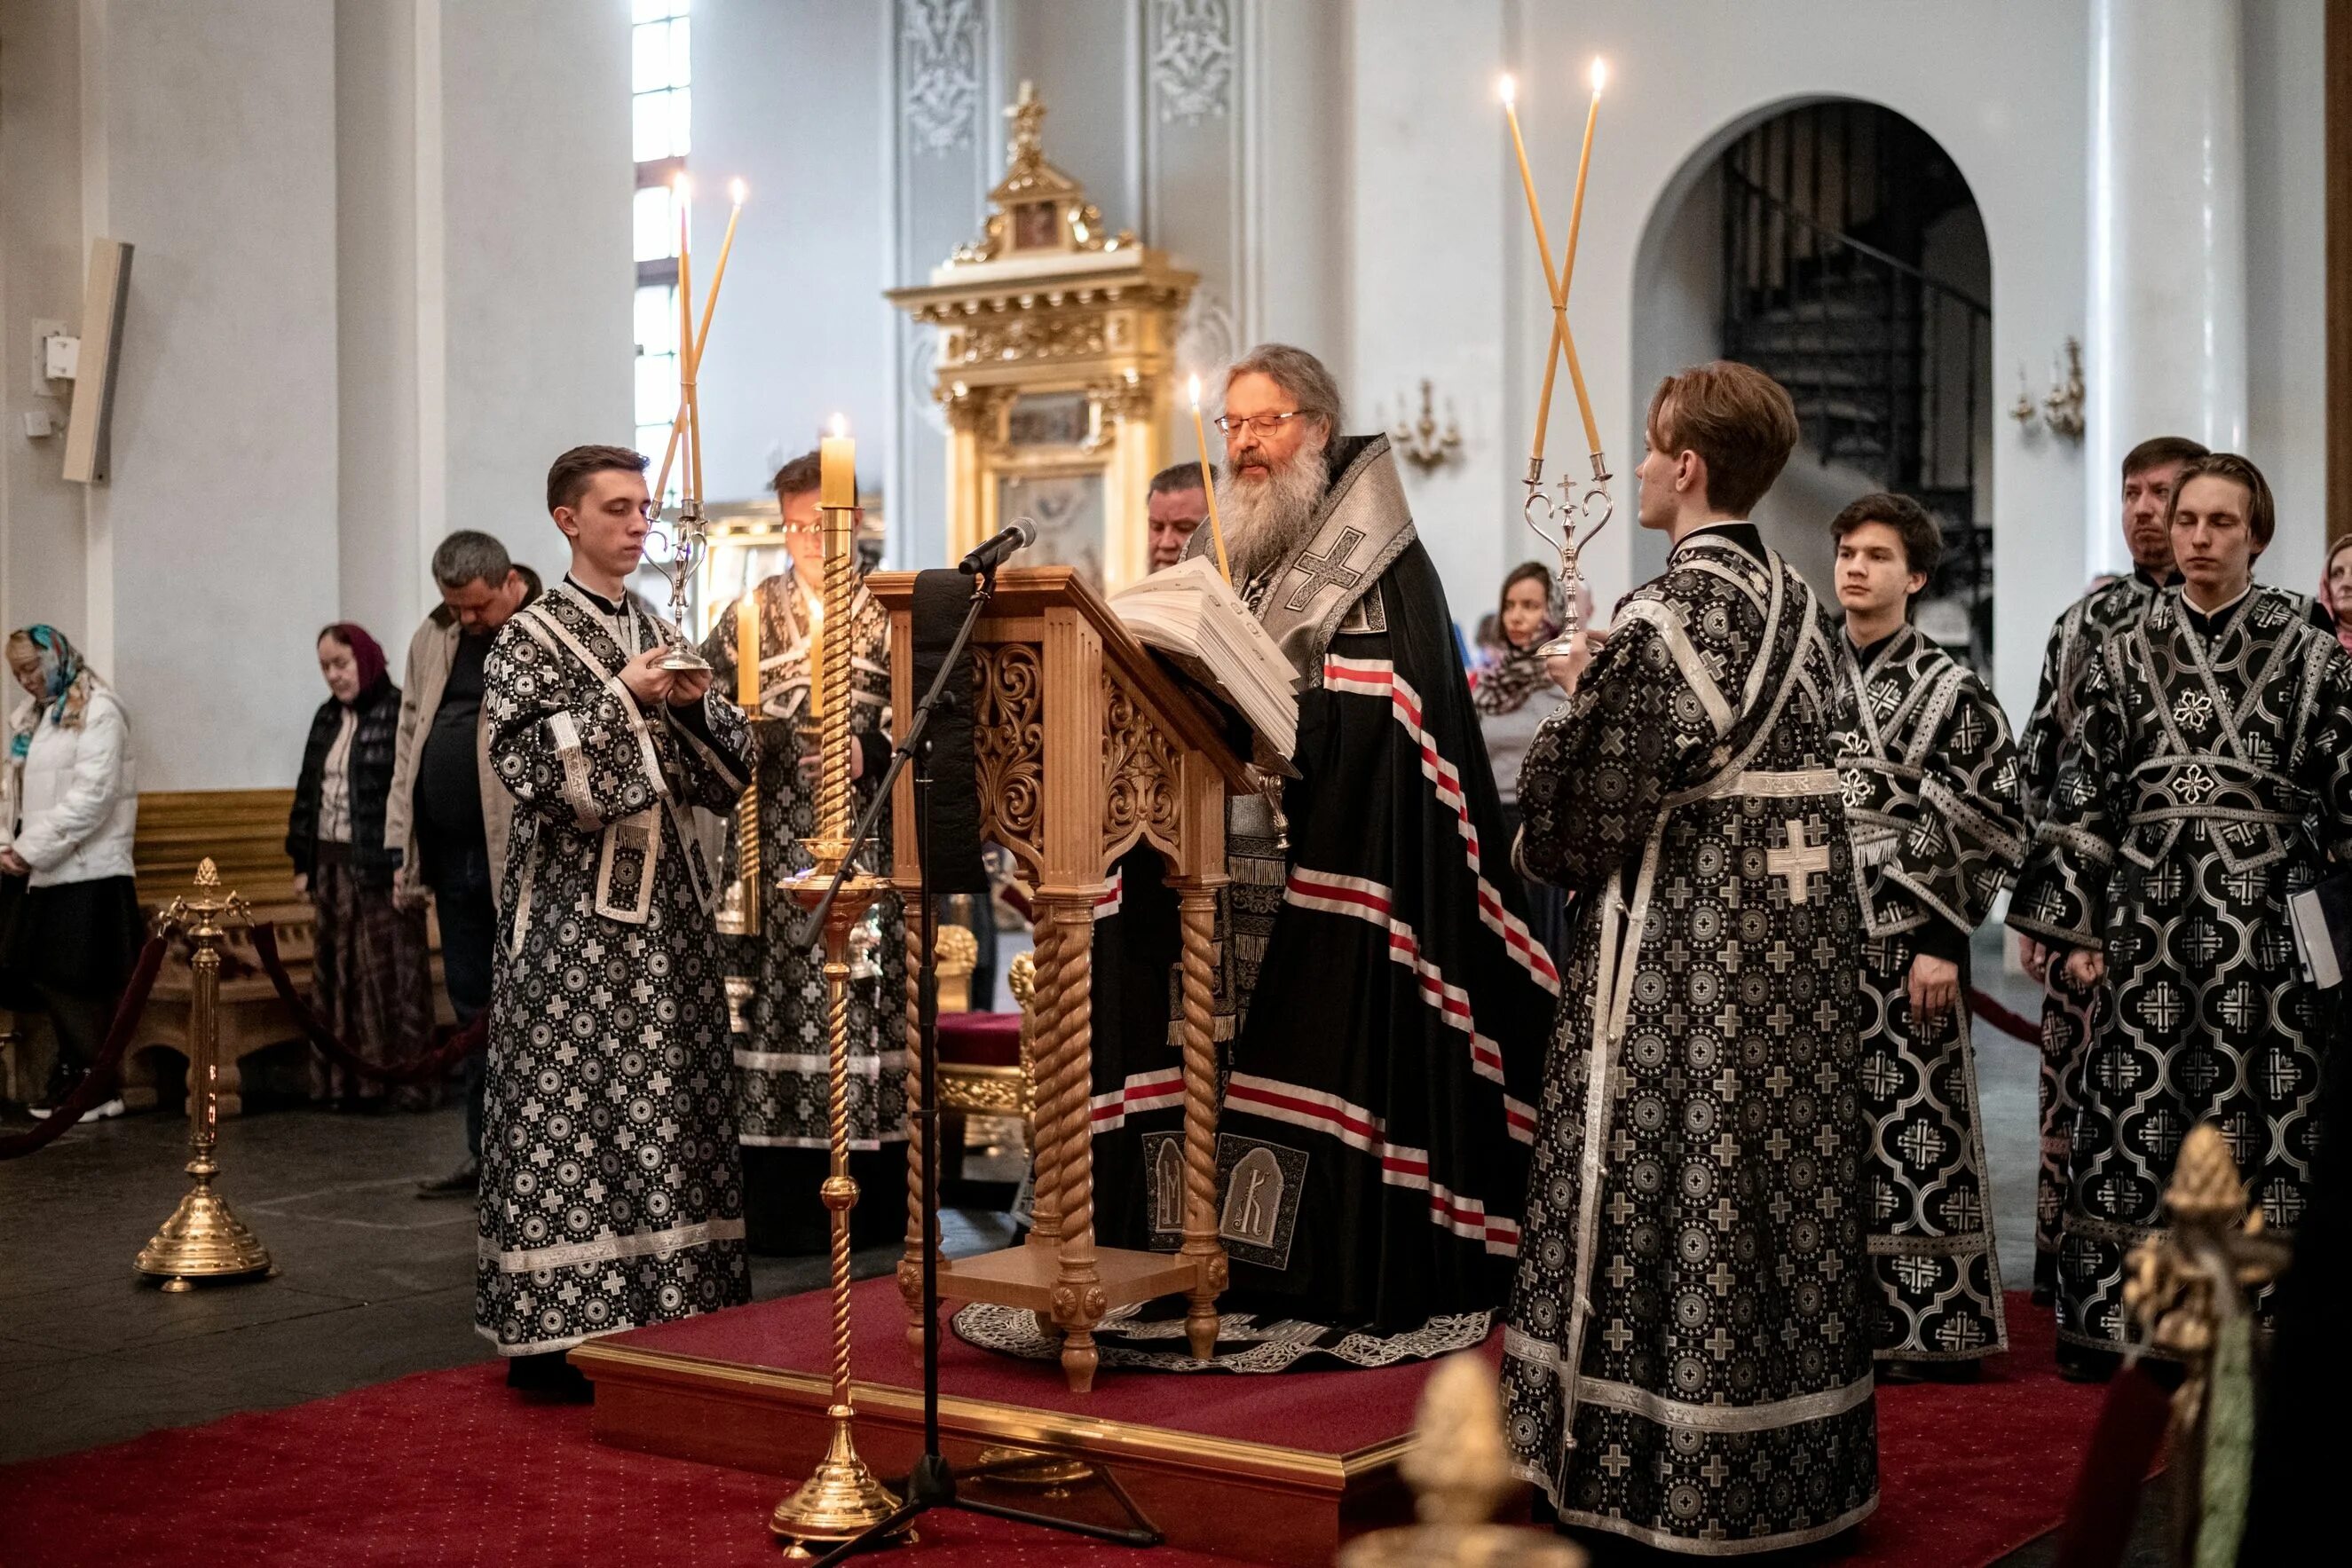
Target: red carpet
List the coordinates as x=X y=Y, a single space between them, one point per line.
x=448 y=1468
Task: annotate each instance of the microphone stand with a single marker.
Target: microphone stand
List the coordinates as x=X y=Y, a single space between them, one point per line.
x=932 y=1482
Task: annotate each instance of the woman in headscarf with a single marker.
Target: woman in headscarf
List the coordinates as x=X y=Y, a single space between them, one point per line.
x=1514 y=696
x=369 y=978
x=71 y=806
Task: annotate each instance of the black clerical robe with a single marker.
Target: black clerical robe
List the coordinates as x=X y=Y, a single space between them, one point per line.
x=1688 y=1357
x=776 y=992
x=2068 y=1015
x=1385 y=999
x=2208 y=777
x=611 y=1195
x=1934 y=806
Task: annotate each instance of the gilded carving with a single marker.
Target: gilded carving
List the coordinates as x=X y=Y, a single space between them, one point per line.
x=1140 y=776
x=1008 y=734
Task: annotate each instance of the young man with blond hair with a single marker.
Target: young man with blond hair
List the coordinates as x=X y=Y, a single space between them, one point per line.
x=1688 y=1357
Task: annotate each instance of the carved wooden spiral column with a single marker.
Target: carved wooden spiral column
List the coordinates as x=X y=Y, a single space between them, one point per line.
x=1197 y=907
x=910 y=1262
x=1066 y=1064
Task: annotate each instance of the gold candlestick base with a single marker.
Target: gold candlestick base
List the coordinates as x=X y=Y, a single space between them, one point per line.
x=1054 y=1474
x=203 y=1239
x=839 y=1501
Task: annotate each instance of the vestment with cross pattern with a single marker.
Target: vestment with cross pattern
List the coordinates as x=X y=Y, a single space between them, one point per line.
x=1936 y=809
x=2208 y=777
x=1686 y=1357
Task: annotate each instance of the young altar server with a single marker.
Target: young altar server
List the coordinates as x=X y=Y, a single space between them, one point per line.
x=1934 y=802
x=610 y=1192
x=1686 y=1359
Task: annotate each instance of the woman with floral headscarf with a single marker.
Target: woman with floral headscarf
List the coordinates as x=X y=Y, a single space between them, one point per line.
x=71 y=805
x=369 y=978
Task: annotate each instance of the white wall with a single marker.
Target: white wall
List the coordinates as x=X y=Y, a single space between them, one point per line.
x=788 y=97
x=2286 y=232
x=42 y=261
x=536 y=178
x=209 y=143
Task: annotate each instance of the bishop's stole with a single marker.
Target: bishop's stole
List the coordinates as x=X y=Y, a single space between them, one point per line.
x=1688 y=1357
x=1934 y=806
x=1385 y=999
x=610 y=1193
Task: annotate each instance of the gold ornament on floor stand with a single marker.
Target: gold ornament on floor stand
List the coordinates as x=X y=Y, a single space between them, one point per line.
x=842 y=1499
x=203 y=1239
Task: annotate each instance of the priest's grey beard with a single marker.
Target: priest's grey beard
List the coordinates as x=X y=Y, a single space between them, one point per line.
x=1267 y=522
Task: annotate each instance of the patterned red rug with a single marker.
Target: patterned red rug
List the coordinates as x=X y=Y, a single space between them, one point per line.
x=450 y=1470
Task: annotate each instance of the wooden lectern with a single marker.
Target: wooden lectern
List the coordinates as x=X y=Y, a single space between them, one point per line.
x=1084 y=747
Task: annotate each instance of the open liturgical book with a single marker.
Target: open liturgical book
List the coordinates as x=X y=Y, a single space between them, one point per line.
x=1191 y=614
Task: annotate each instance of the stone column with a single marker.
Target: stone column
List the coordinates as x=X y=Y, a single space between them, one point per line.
x=2164 y=343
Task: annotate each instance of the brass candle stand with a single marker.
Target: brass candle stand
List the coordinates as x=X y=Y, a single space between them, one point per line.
x=842 y=1499
x=203 y=1239
x=1578 y=515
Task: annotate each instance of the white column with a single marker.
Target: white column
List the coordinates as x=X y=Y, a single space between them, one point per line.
x=2165 y=338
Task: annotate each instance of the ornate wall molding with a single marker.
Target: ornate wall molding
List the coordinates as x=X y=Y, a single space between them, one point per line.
x=940 y=40
x=1192 y=58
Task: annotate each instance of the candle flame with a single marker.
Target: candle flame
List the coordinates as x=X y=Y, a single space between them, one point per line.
x=1509 y=88
x=1599 y=75
x=683 y=186
x=839 y=424
x=1195 y=386
x=736 y=191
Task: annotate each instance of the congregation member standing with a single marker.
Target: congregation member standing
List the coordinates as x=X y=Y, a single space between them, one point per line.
x=1934 y=804
x=371 y=976
x=71 y=811
x=1513 y=695
x=781 y=1072
x=610 y=1189
x=1176 y=506
x=449 y=815
x=2207 y=778
x=1686 y=1361
x=2070 y=1016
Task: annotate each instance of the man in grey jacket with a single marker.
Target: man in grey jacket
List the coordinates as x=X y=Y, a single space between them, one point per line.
x=448 y=814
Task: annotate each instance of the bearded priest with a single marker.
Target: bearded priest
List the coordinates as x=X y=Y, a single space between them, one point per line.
x=1385 y=1001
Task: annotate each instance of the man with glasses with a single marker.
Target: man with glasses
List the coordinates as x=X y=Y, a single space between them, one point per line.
x=1384 y=997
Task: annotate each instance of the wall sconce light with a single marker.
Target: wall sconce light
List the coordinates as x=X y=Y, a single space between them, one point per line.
x=1421 y=441
x=2060 y=408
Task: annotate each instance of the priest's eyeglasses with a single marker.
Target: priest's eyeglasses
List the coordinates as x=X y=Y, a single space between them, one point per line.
x=1258 y=424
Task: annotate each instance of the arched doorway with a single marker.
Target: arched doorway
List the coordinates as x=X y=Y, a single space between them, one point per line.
x=1836 y=245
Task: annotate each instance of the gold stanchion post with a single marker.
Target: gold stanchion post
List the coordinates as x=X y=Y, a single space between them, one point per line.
x=203 y=1239
x=843 y=1499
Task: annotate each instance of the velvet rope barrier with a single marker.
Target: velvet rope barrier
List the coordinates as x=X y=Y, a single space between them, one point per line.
x=454 y=1044
x=98 y=1081
x=2017 y=1026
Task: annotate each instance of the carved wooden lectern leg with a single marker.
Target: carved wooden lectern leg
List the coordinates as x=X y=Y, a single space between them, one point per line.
x=1065 y=1054
x=910 y=1263
x=1044 y=1130
x=1198 y=913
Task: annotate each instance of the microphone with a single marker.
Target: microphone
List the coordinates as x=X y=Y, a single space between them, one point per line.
x=993 y=553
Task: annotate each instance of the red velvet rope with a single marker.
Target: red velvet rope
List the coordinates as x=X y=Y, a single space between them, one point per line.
x=452 y=1045
x=2017 y=1026
x=98 y=1083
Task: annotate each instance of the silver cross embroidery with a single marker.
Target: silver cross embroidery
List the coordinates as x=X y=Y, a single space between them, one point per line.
x=1320 y=569
x=1797 y=862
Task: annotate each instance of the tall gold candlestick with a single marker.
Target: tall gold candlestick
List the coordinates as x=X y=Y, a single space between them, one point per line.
x=1209 y=484
x=842 y=1498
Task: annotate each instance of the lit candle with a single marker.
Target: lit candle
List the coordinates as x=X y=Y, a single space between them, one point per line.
x=1209 y=484
x=837 y=466
x=1510 y=93
x=678 y=189
x=688 y=357
x=1567 y=261
x=736 y=191
x=747 y=651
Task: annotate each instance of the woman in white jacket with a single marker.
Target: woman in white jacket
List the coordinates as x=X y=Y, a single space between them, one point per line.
x=72 y=801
